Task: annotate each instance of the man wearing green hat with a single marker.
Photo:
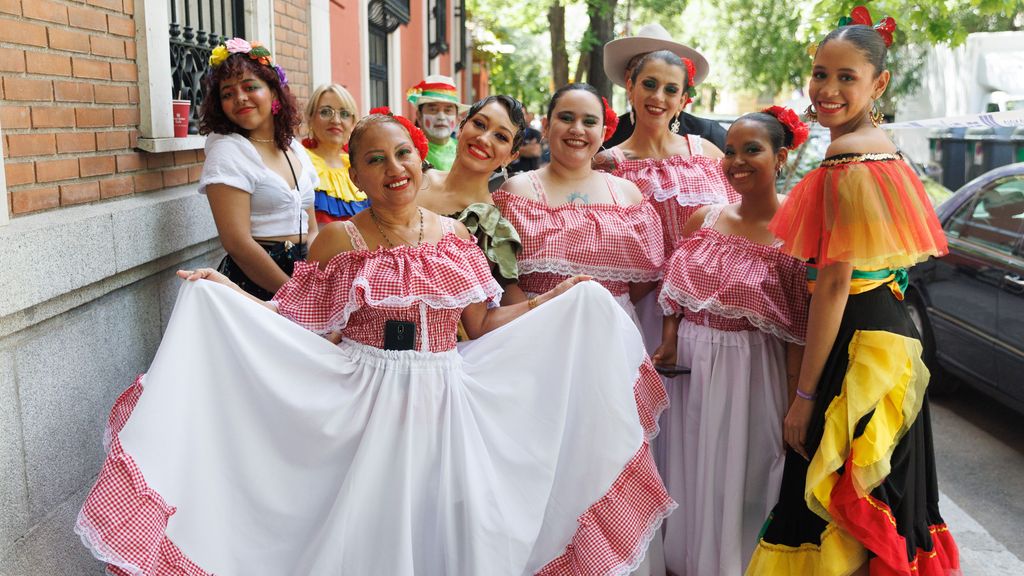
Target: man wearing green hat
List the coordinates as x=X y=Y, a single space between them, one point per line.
x=437 y=114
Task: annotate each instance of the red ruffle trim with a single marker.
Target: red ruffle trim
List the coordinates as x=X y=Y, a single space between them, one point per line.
x=124 y=522
x=651 y=398
x=613 y=534
x=611 y=539
x=871 y=522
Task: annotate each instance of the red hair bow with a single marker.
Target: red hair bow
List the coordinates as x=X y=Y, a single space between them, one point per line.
x=860 y=15
x=611 y=119
x=419 y=139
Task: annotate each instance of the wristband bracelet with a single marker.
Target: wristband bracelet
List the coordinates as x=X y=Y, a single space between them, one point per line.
x=532 y=303
x=800 y=393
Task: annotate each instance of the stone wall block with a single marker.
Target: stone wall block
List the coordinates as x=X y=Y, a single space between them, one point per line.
x=149 y=231
x=52 y=548
x=13 y=495
x=77 y=254
x=66 y=394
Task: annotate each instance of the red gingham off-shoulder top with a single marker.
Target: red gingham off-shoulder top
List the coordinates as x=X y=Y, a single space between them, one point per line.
x=733 y=284
x=677 y=186
x=357 y=291
x=615 y=244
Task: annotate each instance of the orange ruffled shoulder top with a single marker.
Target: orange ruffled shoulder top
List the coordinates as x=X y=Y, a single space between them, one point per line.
x=869 y=210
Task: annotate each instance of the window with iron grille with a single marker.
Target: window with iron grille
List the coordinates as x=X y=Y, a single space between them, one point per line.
x=437 y=30
x=384 y=16
x=196 y=28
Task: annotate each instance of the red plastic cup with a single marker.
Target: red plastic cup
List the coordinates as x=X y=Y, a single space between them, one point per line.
x=181 y=108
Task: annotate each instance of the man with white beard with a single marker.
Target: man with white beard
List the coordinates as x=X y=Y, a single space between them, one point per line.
x=437 y=114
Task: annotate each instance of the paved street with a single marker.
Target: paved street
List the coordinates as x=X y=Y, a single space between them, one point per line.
x=979 y=448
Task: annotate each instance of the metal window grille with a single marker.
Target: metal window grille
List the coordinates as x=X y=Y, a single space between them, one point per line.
x=196 y=28
x=438 y=29
x=385 y=16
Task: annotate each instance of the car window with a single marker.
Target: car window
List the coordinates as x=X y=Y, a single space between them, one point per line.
x=994 y=218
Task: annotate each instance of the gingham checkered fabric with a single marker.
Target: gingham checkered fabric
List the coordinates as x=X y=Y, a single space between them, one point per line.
x=730 y=283
x=358 y=290
x=613 y=534
x=133 y=517
x=677 y=187
x=614 y=244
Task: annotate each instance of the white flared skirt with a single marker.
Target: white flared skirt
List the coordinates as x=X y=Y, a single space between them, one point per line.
x=724 y=449
x=255 y=447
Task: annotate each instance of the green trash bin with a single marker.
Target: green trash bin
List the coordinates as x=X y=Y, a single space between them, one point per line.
x=1017 y=138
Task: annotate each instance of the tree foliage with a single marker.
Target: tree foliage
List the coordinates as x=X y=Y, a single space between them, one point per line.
x=766 y=42
x=755 y=45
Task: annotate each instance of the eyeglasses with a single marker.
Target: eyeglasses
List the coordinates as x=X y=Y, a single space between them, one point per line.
x=328 y=113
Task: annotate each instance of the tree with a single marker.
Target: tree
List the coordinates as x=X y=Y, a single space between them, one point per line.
x=766 y=42
x=602 y=30
x=559 y=56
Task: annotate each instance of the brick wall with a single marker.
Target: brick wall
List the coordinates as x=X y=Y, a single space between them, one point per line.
x=69 y=106
x=291 y=44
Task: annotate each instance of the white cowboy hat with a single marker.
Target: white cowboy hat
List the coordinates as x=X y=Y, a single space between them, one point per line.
x=650 y=38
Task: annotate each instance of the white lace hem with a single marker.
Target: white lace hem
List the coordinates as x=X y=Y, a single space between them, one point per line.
x=640 y=552
x=717 y=308
x=690 y=198
x=606 y=273
x=94 y=543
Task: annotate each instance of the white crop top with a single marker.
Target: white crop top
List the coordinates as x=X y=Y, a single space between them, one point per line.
x=276 y=208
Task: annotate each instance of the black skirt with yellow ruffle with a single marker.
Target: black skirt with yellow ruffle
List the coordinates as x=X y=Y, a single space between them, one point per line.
x=869 y=491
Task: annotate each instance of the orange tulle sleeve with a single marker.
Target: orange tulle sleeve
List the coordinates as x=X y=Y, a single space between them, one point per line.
x=873 y=214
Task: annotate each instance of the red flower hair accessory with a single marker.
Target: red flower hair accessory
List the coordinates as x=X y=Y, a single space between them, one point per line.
x=419 y=139
x=611 y=119
x=860 y=15
x=791 y=122
x=690 y=91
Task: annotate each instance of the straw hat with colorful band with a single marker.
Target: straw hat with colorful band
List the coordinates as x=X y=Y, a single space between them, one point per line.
x=650 y=38
x=440 y=89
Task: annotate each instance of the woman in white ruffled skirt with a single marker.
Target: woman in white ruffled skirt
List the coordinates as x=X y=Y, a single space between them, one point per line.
x=254 y=446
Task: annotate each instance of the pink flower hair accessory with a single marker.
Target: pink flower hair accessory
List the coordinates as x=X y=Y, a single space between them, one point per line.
x=238 y=46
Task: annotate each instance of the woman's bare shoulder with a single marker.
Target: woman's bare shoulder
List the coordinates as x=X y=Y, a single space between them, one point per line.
x=873 y=142
x=519 y=185
x=333 y=239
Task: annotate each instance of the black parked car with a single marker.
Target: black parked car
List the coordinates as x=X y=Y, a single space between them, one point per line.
x=969 y=304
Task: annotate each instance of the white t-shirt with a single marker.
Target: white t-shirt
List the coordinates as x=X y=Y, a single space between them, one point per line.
x=276 y=208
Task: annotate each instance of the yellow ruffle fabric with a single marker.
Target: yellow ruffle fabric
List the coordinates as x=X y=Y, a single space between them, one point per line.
x=839 y=555
x=885 y=375
x=335 y=181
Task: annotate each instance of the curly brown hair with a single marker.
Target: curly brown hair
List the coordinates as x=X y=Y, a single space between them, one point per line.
x=212 y=117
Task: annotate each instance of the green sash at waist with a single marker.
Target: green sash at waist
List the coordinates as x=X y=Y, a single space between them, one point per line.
x=901 y=277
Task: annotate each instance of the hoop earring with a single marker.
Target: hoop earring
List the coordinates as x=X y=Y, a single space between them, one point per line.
x=876 y=115
x=810 y=113
x=674 y=127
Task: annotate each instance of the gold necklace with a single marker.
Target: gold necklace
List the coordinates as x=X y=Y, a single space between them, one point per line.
x=385 y=236
x=251 y=139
